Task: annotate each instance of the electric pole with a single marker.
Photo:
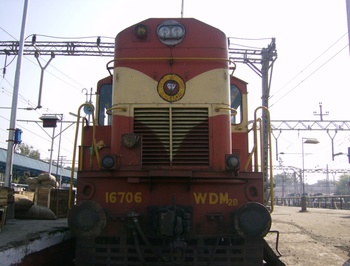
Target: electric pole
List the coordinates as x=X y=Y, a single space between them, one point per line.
x=12 y=128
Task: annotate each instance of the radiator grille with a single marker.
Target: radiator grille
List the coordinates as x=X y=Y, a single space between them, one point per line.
x=173 y=136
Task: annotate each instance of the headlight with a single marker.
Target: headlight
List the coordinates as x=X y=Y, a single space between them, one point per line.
x=252 y=220
x=163 y=32
x=87 y=220
x=170 y=32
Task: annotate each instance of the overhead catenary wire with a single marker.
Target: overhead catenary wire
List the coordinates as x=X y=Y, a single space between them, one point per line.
x=78 y=86
x=68 y=38
x=310 y=64
x=9 y=34
x=252 y=42
x=58 y=70
x=9 y=63
x=307 y=67
x=66 y=79
x=251 y=39
x=33 y=36
x=21 y=98
x=307 y=77
x=235 y=44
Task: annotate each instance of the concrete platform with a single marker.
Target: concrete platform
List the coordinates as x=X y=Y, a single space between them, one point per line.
x=315 y=237
x=36 y=242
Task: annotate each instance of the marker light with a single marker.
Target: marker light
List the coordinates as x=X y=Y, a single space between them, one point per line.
x=87 y=191
x=141 y=32
x=108 y=162
x=232 y=162
x=170 y=32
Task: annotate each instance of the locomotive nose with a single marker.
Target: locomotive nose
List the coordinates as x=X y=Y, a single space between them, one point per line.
x=252 y=220
x=87 y=219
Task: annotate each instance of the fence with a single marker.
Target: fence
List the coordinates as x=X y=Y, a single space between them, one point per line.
x=327 y=202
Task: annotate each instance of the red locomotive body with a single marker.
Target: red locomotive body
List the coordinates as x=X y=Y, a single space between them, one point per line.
x=161 y=178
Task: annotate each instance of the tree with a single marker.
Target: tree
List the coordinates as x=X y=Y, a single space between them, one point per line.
x=286 y=178
x=285 y=183
x=343 y=186
x=26 y=150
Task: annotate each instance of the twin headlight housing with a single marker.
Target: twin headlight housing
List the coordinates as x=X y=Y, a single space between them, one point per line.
x=170 y=32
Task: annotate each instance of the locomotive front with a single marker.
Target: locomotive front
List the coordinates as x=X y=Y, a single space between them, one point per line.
x=159 y=180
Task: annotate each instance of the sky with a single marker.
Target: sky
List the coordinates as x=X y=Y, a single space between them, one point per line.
x=313 y=64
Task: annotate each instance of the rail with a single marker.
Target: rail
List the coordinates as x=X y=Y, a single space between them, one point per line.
x=264 y=150
x=341 y=202
x=93 y=146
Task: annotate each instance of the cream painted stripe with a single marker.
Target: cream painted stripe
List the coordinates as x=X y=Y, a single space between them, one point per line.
x=130 y=84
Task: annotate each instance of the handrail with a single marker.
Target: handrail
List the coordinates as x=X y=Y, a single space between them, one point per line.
x=116 y=108
x=254 y=149
x=233 y=110
x=94 y=146
x=255 y=153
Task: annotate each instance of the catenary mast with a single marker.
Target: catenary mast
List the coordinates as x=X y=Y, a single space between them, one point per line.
x=12 y=128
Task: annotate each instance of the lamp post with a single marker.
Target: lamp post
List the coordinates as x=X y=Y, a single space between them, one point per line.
x=303 y=195
x=50 y=121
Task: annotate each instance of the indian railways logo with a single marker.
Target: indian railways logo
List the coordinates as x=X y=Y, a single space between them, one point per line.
x=171 y=87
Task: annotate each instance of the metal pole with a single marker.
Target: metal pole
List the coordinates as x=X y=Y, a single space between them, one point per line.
x=182 y=9
x=303 y=196
x=59 y=150
x=348 y=16
x=42 y=76
x=51 y=151
x=303 y=167
x=10 y=146
x=265 y=102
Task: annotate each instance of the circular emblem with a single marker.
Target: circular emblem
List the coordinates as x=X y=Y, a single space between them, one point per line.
x=171 y=87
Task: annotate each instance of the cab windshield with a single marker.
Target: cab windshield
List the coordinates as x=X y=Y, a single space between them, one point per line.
x=105 y=102
x=236 y=103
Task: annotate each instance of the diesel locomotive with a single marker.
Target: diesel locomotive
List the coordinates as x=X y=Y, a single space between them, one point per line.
x=165 y=171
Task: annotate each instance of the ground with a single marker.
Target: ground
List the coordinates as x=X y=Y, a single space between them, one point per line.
x=315 y=237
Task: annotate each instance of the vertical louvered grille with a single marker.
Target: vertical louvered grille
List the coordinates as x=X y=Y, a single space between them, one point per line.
x=173 y=136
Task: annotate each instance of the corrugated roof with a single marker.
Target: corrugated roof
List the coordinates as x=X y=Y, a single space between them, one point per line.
x=23 y=164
